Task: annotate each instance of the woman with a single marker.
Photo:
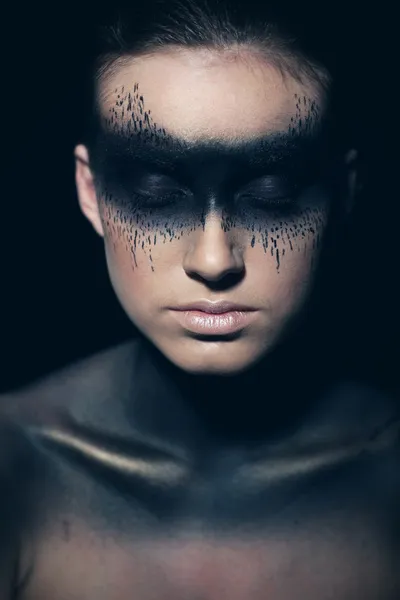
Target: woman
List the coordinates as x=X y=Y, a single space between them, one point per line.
x=214 y=456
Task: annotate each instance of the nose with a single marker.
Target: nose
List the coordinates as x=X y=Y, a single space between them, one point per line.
x=212 y=255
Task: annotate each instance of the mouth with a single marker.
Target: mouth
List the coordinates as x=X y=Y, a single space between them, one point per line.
x=214 y=318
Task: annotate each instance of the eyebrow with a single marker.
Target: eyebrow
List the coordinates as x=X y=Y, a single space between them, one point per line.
x=273 y=150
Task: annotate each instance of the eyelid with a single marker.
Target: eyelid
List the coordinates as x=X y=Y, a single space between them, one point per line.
x=276 y=185
x=162 y=187
x=159 y=179
x=146 y=181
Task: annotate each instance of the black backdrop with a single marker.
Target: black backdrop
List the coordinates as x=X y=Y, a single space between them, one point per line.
x=56 y=301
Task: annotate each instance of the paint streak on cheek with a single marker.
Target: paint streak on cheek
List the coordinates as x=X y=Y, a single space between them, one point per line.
x=142 y=237
x=281 y=238
x=142 y=233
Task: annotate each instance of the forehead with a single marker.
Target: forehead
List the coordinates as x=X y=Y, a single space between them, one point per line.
x=198 y=95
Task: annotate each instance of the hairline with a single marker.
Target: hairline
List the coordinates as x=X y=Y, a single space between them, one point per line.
x=288 y=63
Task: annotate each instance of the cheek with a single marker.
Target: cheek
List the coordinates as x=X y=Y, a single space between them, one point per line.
x=283 y=257
x=133 y=286
x=284 y=290
x=284 y=246
x=144 y=239
x=133 y=249
x=286 y=241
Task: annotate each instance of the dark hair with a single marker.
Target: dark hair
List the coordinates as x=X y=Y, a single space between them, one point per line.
x=298 y=38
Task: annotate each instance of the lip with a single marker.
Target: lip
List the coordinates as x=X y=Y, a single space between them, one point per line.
x=214 y=318
x=214 y=308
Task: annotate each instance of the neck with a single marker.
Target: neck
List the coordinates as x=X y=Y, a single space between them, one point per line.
x=265 y=404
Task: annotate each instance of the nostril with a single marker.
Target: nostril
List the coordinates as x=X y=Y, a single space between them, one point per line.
x=223 y=282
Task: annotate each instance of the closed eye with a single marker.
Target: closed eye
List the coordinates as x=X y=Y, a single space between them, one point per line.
x=270 y=191
x=148 y=190
x=154 y=183
x=154 y=190
x=160 y=199
x=269 y=188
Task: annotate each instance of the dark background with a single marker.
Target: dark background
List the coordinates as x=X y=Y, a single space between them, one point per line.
x=56 y=301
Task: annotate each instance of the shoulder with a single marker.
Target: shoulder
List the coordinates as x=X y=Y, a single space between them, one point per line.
x=20 y=485
x=25 y=463
x=363 y=413
x=371 y=417
x=75 y=389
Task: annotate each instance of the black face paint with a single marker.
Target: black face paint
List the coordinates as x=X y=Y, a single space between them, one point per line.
x=156 y=188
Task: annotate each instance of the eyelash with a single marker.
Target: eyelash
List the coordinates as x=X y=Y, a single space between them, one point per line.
x=284 y=199
x=279 y=195
x=279 y=201
x=158 y=200
x=154 y=201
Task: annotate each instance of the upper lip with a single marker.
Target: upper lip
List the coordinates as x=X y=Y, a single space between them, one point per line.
x=214 y=307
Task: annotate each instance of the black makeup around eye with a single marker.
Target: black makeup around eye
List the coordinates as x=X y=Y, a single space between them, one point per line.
x=273 y=166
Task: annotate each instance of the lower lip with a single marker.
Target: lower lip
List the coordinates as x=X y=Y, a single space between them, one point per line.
x=204 y=323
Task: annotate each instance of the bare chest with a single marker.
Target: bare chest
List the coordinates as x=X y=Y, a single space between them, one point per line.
x=332 y=535
x=321 y=563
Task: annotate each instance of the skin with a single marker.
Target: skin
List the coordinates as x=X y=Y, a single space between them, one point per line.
x=196 y=97
x=145 y=474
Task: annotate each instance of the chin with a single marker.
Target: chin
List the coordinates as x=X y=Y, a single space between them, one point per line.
x=215 y=358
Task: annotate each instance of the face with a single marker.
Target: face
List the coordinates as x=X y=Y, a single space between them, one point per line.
x=210 y=179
